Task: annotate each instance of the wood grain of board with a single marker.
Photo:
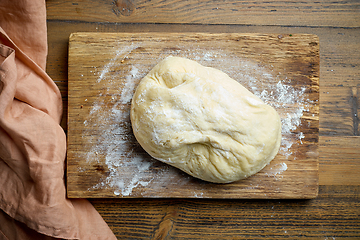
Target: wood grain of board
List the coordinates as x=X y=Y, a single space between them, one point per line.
x=104 y=159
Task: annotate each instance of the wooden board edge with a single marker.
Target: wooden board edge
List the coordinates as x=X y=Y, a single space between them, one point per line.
x=75 y=35
x=72 y=38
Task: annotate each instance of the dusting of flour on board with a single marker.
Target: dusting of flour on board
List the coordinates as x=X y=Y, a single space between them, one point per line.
x=276 y=170
x=114 y=141
x=115 y=146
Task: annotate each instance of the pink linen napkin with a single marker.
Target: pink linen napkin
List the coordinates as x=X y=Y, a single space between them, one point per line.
x=32 y=143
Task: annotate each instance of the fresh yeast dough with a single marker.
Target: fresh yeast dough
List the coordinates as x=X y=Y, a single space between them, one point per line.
x=203 y=122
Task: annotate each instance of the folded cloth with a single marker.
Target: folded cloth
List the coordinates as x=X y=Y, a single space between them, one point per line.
x=32 y=143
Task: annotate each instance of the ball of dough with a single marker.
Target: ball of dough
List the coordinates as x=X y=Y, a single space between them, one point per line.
x=203 y=122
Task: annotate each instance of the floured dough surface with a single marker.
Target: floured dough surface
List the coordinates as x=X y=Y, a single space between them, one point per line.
x=203 y=122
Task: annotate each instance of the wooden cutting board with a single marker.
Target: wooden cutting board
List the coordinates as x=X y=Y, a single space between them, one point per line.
x=104 y=159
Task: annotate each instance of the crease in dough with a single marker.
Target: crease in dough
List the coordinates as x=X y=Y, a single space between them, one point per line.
x=203 y=122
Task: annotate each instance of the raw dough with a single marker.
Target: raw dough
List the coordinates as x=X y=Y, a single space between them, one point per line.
x=203 y=122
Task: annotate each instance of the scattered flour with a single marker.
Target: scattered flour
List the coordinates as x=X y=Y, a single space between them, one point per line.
x=198 y=195
x=112 y=143
x=129 y=87
x=276 y=170
x=114 y=146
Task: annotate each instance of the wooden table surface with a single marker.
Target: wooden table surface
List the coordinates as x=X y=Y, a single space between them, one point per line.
x=335 y=213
